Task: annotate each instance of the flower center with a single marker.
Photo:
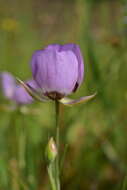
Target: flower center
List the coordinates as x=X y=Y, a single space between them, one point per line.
x=54 y=95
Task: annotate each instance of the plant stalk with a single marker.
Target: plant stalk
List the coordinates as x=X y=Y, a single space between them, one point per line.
x=57 y=168
x=54 y=166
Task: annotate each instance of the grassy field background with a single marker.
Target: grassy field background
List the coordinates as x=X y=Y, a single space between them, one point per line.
x=96 y=133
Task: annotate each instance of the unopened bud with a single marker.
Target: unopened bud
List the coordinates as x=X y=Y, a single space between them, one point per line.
x=51 y=150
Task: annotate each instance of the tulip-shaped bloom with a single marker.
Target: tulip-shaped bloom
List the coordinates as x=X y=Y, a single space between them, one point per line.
x=13 y=91
x=58 y=69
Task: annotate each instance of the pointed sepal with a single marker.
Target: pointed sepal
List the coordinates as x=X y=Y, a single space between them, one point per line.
x=70 y=102
x=33 y=92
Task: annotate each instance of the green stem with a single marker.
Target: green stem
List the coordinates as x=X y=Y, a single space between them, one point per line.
x=124 y=183
x=57 y=109
x=51 y=177
x=54 y=167
x=57 y=106
x=22 y=142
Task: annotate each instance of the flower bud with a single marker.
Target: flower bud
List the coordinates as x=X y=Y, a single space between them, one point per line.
x=51 y=150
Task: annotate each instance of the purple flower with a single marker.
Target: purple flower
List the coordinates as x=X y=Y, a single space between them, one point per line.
x=15 y=92
x=58 y=69
x=7 y=84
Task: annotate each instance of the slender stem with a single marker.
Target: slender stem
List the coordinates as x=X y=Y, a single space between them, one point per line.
x=57 y=109
x=54 y=167
x=52 y=180
x=22 y=141
x=124 y=183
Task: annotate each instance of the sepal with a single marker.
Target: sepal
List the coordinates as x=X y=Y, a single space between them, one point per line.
x=33 y=92
x=70 y=102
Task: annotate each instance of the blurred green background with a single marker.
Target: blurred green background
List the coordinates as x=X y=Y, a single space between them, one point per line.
x=96 y=133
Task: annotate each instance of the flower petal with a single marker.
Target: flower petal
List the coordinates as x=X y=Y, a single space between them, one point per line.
x=56 y=47
x=21 y=96
x=33 y=61
x=8 y=84
x=31 y=90
x=70 y=102
x=76 y=50
x=55 y=71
